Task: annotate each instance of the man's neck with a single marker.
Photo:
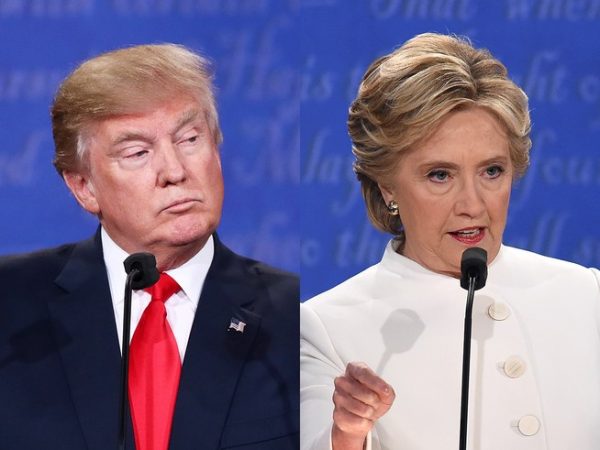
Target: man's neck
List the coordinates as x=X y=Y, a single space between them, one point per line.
x=168 y=257
x=172 y=258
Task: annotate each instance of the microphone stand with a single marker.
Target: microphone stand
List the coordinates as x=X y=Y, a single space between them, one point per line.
x=141 y=273
x=124 y=400
x=464 y=399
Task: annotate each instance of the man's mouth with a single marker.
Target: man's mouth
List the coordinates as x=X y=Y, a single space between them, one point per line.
x=181 y=205
x=469 y=235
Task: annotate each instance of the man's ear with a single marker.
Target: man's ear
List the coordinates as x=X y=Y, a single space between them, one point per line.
x=82 y=188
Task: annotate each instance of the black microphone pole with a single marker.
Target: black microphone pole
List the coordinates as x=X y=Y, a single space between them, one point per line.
x=473 y=269
x=141 y=273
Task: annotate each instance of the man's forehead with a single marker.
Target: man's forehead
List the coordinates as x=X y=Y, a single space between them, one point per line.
x=167 y=116
x=190 y=115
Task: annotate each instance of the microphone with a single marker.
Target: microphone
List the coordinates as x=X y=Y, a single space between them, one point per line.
x=473 y=269
x=141 y=273
x=141 y=267
x=473 y=265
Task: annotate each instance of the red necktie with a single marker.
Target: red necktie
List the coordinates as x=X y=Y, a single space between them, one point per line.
x=154 y=369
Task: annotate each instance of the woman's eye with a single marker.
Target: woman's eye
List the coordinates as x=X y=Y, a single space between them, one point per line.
x=494 y=171
x=438 y=176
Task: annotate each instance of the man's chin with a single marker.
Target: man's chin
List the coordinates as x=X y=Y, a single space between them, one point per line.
x=192 y=233
x=189 y=239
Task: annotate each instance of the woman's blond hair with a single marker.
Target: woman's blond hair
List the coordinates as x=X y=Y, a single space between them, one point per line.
x=404 y=95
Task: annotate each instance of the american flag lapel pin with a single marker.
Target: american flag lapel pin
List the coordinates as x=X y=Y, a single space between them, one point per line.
x=236 y=325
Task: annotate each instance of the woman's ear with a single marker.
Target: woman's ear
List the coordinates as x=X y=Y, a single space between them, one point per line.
x=82 y=188
x=386 y=193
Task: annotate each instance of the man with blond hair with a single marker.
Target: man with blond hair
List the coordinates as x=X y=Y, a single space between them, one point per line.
x=214 y=349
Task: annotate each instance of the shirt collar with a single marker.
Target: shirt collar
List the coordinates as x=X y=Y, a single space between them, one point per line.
x=400 y=264
x=190 y=276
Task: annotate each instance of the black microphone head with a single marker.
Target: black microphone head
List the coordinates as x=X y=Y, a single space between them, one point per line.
x=473 y=264
x=144 y=265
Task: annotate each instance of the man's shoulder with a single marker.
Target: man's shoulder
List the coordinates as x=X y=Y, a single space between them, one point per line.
x=43 y=262
x=30 y=278
x=264 y=274
x=275 y=293
x=273 y=276
x=280 y=284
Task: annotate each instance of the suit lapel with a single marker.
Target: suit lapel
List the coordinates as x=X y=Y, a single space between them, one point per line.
x=92 y=359
x=215 y=355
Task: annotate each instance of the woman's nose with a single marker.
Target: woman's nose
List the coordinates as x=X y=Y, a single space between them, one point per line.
x=469 y=200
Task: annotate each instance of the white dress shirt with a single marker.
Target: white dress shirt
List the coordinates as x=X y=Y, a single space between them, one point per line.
x=535 y=358
x=181 y=307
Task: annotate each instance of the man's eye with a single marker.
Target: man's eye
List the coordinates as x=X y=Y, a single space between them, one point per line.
x=191 y=140
x=139 y=154
x=438 y=175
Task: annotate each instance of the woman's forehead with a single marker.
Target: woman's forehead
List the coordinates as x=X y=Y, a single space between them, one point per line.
x=473 y=131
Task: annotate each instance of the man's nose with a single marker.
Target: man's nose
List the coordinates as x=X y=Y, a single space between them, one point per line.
x=469 y=200
x=170 y=165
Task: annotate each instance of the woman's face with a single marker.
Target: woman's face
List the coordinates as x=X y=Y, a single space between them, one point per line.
x=453 y=190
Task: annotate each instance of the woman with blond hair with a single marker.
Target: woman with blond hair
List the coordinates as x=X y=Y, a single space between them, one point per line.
x=440 y=133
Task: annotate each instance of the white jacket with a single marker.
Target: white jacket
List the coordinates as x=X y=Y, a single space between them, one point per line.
x=535 y=367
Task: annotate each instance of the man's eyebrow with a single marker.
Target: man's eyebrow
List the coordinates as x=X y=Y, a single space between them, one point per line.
x=132 y=135
x=187 y=117
x=136 y=135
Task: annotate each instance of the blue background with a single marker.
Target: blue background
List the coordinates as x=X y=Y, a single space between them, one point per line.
x=286 y=72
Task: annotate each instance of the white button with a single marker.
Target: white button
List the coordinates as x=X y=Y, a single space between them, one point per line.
x=529 y=425
x=498 y=311
x=514 y=367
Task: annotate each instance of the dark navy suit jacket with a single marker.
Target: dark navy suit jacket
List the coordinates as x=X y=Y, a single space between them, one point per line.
x=60 y=358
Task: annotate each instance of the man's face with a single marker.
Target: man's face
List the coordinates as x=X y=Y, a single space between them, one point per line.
x=154 y=179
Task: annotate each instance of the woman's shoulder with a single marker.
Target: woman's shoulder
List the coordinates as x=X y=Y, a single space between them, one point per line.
x=526 y=257
x=527 y=265
x=352 y=291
